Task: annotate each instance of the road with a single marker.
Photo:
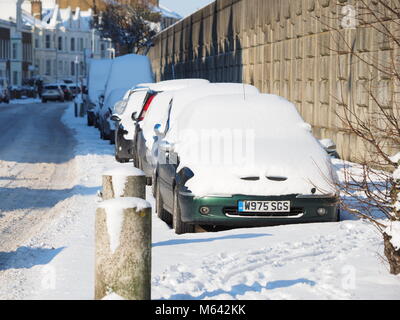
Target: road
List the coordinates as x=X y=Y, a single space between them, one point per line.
x=37 y=171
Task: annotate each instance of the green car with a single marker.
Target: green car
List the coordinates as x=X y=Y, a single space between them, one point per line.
x=279 y=174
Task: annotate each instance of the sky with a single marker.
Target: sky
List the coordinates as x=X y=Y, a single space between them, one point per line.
x=184 y=7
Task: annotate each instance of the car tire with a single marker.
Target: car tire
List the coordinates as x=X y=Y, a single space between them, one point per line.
x=44 y=101
x=179 y=226
x=101 y=133
x=89 y=121
x=121 y=160
x=163 y=214
x=112 y=137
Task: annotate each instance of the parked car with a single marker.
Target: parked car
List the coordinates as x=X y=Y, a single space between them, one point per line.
x=244 y=162
x=74 y=88
x=106 y=124
x=97 y=79
x=68 y=95
x=163 y=114
x=140 y=99
x=52 y=92
x=126 y=72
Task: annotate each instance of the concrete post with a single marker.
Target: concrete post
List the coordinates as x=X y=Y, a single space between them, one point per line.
x=123 y=236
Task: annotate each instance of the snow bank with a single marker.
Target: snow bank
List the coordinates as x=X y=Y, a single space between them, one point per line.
x=114 y=214
x=230 y=138
x=113 y=296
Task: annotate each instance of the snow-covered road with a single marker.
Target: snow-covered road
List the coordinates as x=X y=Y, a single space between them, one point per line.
x=47 y=213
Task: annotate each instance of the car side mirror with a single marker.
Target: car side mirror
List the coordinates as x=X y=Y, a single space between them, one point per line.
x=328 y=145
x=134 y=116
x=114 y=117
x=157 y=130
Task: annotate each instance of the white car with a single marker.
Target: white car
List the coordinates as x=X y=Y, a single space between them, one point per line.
x=137 y=102
x=164 y=111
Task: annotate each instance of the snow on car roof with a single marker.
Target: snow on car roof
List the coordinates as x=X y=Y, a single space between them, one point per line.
x=177 y=84
x=128 y=71
x=159 y=110
x=224 y=139
x=98 y=75
x=114 y=96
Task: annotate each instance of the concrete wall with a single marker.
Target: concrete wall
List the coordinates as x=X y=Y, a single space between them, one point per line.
x=285 y=47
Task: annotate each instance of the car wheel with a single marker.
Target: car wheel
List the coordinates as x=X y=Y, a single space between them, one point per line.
x=101 y=133
x=179 y=226
x=121 y=160
x=44 y=100
x=161 y=212
x=112 y=137
x=89 y=121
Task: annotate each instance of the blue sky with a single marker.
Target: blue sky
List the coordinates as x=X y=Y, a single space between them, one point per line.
x=185 y=7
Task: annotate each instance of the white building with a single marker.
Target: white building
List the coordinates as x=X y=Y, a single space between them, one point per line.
x=62 y=41
x=59 y=44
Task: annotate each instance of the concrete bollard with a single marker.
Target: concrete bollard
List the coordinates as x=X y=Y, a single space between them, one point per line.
x=123 y=249
x=124 y=181
x=123 y=236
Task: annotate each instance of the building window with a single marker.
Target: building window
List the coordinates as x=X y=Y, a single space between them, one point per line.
x=15 y=51
x=72 y=68
x=60 y=67
x=48 y=67
x=48 y=45
x=72 y=44
x=15 y=78
x=60 y=43
x=36 y=43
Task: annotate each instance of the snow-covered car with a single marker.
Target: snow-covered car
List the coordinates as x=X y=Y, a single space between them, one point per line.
x=97 y=79
x=105 y=123
x=254 y=162
x=52 y=92
x=165 y=109
x=140 y=99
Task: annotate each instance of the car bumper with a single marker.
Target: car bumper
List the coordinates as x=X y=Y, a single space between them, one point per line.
x=223 y=211
x=51 y=97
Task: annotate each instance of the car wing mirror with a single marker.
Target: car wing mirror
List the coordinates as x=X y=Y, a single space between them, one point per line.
x=157 y=130
x=328 y=144
x=134 y=116
x=114 y=117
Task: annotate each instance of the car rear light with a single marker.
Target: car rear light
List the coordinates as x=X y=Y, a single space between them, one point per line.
x=146 y=107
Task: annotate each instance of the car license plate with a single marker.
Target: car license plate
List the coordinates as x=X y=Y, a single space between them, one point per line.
x=263 y=206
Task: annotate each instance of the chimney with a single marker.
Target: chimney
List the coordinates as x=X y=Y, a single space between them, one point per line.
x=36 y=9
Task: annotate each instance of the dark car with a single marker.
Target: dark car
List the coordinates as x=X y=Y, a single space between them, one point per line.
x=125 y=125
x=52 y=92
x=243 y=162
x=106 y=125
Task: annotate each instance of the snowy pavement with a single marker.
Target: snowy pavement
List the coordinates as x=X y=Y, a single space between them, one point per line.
x=56 y=260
